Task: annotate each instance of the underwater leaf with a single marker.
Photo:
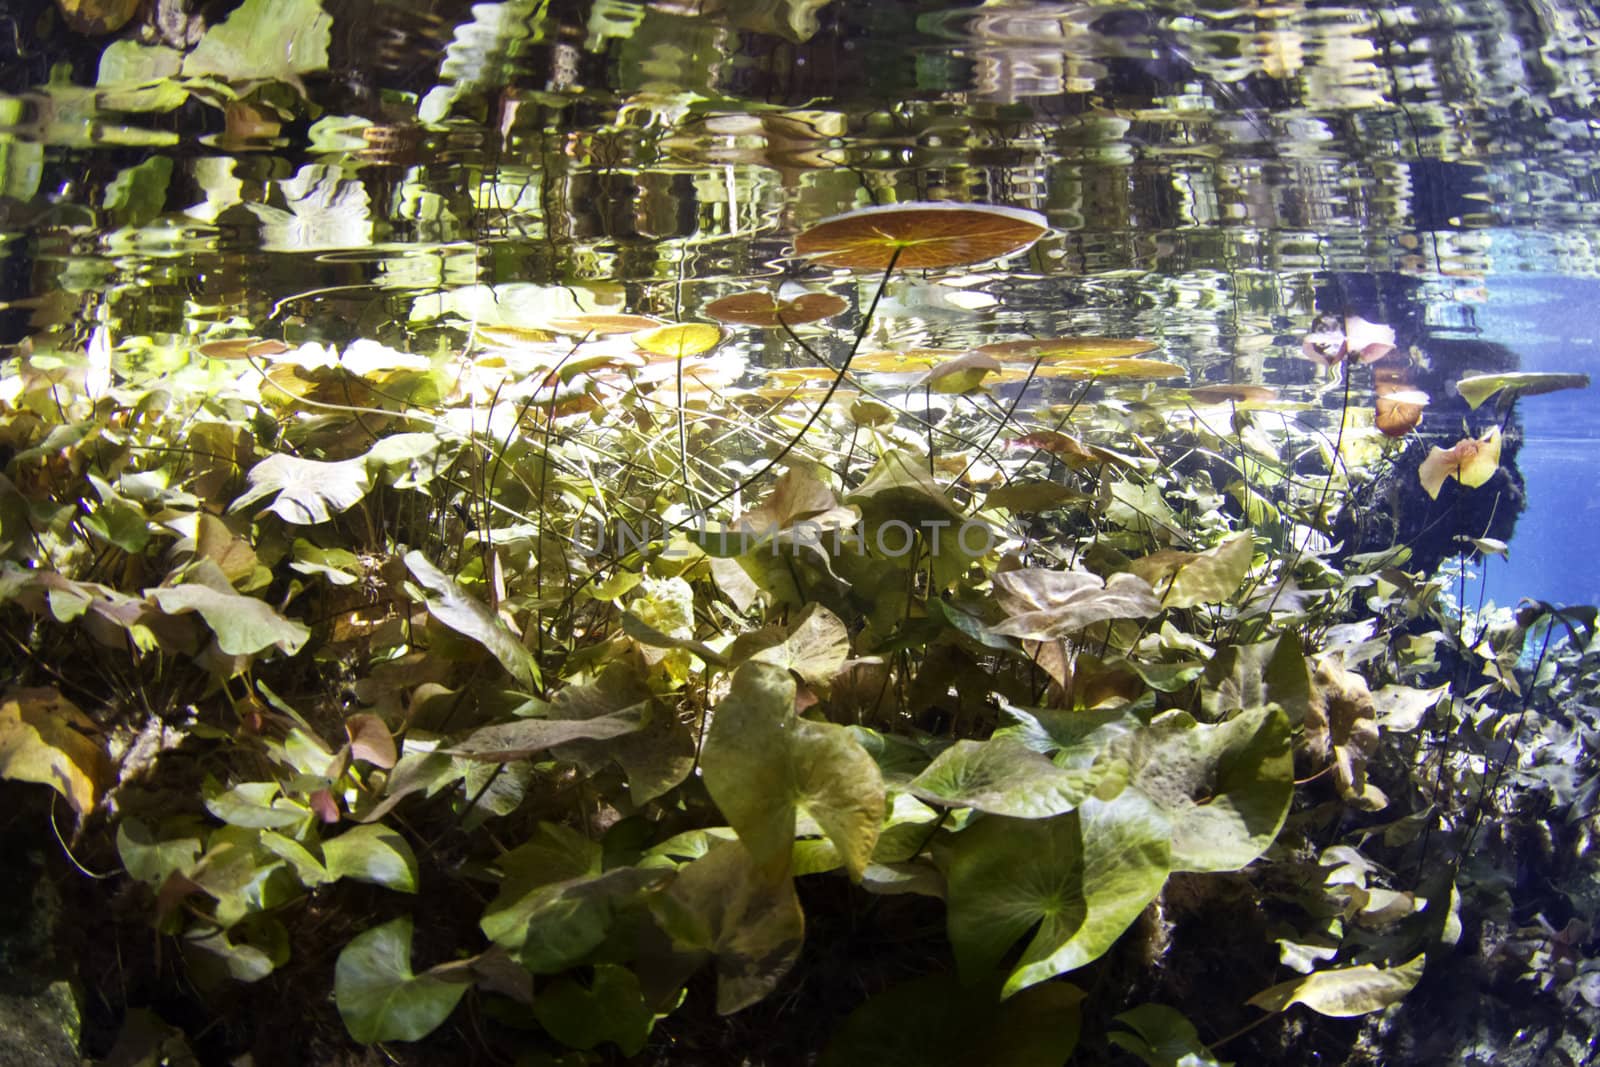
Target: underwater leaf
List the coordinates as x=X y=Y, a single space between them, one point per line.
x=964 y=374
x=763 y=765
x=44 y=738
x=655 y=757
x=1003 y=776
x=1344 y=991
x=372 y=853
x=378 y=996
x=1471 y=461
x=1402 y=707
x=936 y=1021
x=920 y=236
x=466 y=615
x=519 y=740
x=370 y=740
x=1225 y=788
x=264 y=40
x=552 y=925
x=1342 y=723
x=1162 y=1037
x=816 y=648
x=1032 y=497
x=751 y=924
x=308 y=490
x=1078 y=879
x=611 y=1008
x=148 y=858
x=1480 y=387
x=899 y=487
x=249 y=950
x=1187 y=579
x=1044 y=605
x=243 y=624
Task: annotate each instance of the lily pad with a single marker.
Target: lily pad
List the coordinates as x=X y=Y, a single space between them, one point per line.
x=1480 y=387
x=765 y=309
x=678 y=341
x=1066 y=349
x=920 y=236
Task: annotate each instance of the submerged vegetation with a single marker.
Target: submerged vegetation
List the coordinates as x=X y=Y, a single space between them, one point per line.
x=543 y=679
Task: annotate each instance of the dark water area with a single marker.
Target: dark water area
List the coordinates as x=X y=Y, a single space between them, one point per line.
x=1215 y=175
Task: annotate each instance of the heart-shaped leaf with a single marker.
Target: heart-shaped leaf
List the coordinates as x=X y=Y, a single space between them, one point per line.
x=1343 y=992
x=1078 y=879
x=763 y=765
x=378 y=996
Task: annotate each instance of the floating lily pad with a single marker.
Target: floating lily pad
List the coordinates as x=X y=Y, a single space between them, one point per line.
x=920 y=236
x=765 y=309
x=602 y=325
x=514 y=336
x=243 y=348
x=679 y=341
x=1237 y=394
x=1055 y=349
x=1480 y=387
x=912 y=359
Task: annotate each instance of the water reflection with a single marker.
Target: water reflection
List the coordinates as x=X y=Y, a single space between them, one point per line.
x=1205 y=166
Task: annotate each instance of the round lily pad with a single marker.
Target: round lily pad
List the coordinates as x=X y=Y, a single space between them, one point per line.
x=920 y=236
x=764 y=309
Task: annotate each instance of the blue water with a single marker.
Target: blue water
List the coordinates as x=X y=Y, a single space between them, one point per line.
x=1553 y=322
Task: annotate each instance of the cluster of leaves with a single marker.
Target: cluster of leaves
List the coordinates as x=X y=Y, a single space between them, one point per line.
x=1034 y=681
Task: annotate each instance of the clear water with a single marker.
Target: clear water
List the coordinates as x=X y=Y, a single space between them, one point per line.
x=1215 y=173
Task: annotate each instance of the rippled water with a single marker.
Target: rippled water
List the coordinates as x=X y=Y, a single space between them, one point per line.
x=1215 y=174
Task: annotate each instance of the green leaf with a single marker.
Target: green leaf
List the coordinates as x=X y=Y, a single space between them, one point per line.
x=762 y=765
x=937 y=1021
x=1188 y=579
x=243 y=624
x=816 y=648
x=44 y=738
x=1032 y=497
x=308 y=490
x=471 y=618
x=611 y=1008
x=1345 y=991
x=378 y=996
x=1162 y=1037
x=519 y=740
x=126 y=63
x=1225 y=789
x=1080 y=879
x=655 y=757
x=150 y=859
x=1003 y=776
x=253 y=806
x=555 y=906
x=723 y=906
x=1480 y=387
x=264 y=40
x=372 y=853
x=139 y=193
x=250 y=950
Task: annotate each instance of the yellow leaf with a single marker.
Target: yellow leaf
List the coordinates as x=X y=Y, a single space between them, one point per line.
x=676 y=342
x=44 y=738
